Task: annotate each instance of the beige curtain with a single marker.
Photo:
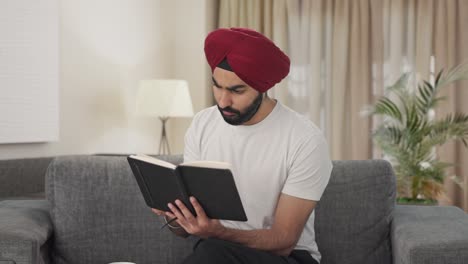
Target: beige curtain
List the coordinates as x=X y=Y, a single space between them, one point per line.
x=426 y=36
x=332 y=72
x=450 y=35
x=344 y=53
x=348 y=84
x=266 y=16
x=330 y=79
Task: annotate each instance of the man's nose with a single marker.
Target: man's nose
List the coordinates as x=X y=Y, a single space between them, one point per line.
x=225 y=99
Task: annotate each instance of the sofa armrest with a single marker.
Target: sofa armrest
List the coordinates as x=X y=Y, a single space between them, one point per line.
x=429 y=234
x=25 y=229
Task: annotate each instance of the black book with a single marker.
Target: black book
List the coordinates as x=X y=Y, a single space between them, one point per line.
x=210 y=182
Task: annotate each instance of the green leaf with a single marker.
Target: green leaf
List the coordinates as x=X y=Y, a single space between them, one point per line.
x=438 y=77
x=407 y=137
x=385 y=106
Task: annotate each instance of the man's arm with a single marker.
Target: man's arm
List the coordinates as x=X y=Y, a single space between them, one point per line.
x=291 y=215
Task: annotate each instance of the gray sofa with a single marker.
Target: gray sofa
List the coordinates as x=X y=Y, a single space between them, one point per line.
x=95 y=213
x=23 y=178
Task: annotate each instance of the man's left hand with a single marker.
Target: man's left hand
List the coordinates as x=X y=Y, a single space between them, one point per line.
x=199 y=225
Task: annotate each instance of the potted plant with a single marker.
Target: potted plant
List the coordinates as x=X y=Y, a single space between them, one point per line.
x=409 y=133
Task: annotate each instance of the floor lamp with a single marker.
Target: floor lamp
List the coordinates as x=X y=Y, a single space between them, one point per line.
x=164 y=99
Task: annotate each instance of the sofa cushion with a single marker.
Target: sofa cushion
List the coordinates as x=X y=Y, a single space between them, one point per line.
x=98 y=210
x=23 y=178
x=99 y=214
x=25 y=229
x=353 y=217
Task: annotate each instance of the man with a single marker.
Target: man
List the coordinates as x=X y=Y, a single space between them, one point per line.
x=280 y=159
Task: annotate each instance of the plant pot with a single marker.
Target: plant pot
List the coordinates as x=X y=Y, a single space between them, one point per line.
x=411 y=201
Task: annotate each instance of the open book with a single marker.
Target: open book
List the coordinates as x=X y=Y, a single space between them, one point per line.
x=210 y=182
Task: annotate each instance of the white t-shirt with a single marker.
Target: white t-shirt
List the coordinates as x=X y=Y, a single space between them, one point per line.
x=284 y=153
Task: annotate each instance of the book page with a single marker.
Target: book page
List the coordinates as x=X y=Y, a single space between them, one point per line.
x=152 y=160
x=208 y=164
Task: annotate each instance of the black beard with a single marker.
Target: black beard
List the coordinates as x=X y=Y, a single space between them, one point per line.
x=239 y=118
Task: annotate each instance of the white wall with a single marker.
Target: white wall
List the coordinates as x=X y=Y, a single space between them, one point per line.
x=106 y=47
x=192 y=23
x=29 y=110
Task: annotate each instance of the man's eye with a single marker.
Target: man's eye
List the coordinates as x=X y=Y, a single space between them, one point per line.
x=237 y=92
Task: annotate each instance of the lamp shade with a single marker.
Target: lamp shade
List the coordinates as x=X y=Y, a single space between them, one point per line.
x=168 y=98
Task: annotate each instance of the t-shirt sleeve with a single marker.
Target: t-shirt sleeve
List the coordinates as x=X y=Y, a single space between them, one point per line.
x=191 y=143
x=310 y=169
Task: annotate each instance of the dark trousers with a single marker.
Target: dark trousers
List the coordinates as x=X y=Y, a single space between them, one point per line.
x=220 y=251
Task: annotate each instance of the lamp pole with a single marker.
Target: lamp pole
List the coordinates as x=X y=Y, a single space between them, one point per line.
x=164 y=143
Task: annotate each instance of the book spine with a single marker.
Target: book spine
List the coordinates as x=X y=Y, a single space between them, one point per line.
x=183 y=190
x=142 y=183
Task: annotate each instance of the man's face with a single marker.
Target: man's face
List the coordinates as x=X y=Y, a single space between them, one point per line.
x=236 y=101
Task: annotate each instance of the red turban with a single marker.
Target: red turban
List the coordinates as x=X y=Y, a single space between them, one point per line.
x=252 y=56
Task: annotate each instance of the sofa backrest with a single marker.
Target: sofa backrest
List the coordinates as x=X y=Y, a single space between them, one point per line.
x=23 y=178
x=99 y=214
x=352 y=219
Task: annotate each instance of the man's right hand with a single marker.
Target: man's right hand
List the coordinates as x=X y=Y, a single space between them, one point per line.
x=179 y=231
x=158 y=212
x=164 y=213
